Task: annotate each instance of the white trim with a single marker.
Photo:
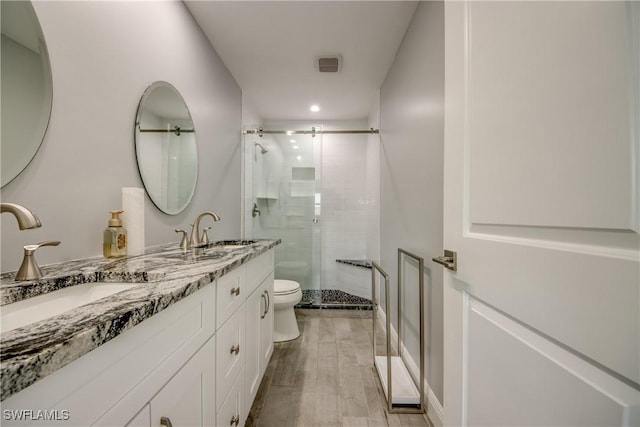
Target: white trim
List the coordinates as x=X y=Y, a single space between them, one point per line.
x=624 y=254
x=435 y=410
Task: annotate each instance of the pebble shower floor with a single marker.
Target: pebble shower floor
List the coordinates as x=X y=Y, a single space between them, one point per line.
x=332 y=298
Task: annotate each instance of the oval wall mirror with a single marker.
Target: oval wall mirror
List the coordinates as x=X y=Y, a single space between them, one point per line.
x=27 y=88
x=166 y=148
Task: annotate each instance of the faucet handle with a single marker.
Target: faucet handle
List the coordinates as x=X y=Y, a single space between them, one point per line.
x=32 y=248
x=205 y=236
x=29 y=269
x=184 y=242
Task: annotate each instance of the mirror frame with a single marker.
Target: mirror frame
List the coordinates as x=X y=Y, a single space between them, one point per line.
x=137 y=143
x=48 y=103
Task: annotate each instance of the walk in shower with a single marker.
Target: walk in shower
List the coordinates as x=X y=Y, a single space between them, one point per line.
x=315 y=188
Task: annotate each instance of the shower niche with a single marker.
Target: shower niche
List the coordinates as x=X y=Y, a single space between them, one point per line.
x=311 y=191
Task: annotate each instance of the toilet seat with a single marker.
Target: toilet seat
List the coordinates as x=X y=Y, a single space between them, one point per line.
x=285 y=287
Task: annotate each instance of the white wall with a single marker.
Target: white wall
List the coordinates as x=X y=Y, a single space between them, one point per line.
x=103 y=56
x=412 y=122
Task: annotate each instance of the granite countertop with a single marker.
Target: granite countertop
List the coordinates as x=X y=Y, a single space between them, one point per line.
x=163 y=275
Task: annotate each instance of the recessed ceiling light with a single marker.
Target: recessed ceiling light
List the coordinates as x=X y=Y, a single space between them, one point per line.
x=314 y=108
x=293 y=141
x=295 y=147
x=299 y=157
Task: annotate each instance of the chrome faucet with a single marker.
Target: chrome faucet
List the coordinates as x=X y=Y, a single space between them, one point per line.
x=26 y=219
x=195 y=228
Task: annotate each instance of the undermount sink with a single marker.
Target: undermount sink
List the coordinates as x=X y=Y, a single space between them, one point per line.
x=47 y=305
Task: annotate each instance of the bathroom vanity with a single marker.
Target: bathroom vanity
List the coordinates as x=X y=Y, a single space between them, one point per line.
x=185 y=340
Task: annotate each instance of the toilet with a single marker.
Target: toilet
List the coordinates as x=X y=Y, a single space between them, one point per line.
x=286 y=294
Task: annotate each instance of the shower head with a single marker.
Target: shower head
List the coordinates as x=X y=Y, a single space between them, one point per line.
x=262 y=149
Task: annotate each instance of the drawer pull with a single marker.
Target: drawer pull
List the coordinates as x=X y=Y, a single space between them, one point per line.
x=235 y=420
x=235 y=291
x=164 y=421
x=264 y=313
x=268 y=302
x=235 y=349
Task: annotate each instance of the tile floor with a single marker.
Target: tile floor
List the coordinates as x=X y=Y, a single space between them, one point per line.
x=325 y=377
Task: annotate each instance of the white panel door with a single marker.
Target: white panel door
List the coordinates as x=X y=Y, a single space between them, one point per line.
x=542 y=318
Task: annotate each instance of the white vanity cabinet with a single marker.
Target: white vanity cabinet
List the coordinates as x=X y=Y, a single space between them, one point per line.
x=182 y=366
x=259 y=335
x=244 y=337
x=233 y=411
x=142 y=419
x=111 y=385
x=187 y=399
x=230 y=354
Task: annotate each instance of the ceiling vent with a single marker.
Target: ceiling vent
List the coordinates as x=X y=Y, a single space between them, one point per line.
x=329 y=64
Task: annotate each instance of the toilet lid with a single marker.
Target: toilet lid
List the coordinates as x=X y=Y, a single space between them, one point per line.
x=285 y=287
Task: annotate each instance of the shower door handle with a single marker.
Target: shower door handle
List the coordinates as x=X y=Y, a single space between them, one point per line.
x=316 y=220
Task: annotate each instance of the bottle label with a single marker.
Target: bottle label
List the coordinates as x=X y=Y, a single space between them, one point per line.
x=122 y=241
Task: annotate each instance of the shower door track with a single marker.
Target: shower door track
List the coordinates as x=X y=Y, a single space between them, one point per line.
x=313 y=132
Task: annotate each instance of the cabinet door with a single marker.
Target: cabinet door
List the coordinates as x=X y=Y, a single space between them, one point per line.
x=230 y=353
x=231 y=294
x=142 y=419
x=256 y=307
x=232 y=412
x=188 y=398
x=266 y=325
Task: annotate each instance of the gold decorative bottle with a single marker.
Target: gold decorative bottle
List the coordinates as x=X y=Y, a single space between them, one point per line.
x=115 y=237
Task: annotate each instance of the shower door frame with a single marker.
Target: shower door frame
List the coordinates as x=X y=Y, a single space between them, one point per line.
x=300 y=213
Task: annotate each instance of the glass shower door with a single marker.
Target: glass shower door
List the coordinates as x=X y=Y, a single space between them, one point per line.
x=282 y=200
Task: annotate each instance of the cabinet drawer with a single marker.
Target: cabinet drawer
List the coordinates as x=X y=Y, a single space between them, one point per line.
x=230 y=294
x=257 y=269
x=232 y=411
x=230 y=351
x=188 y=398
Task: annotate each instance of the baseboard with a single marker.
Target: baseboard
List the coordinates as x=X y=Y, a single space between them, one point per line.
x=435 y=410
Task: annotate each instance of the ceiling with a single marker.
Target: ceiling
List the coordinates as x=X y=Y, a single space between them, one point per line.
x=271 y=48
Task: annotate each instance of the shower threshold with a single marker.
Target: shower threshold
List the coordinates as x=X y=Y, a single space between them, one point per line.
x=332 y=298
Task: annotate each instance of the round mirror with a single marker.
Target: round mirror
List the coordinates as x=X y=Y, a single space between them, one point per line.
x=27 y=89
x=166 y=148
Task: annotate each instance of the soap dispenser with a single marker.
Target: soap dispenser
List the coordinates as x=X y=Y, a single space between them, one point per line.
x=115 y=237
